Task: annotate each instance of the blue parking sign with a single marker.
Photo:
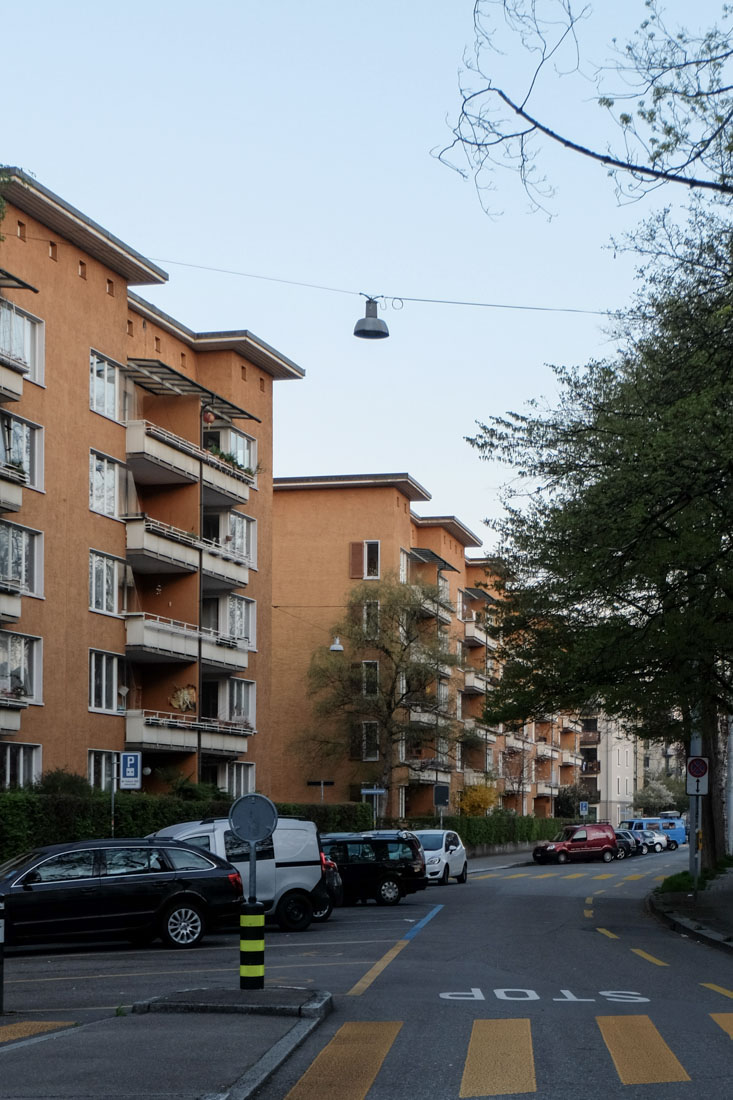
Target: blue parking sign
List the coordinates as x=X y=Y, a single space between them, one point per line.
x=583 y=809
x=130 y=778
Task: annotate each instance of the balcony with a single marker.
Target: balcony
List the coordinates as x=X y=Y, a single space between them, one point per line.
x=156 y=547
x=151 y=638
x=474 y=682
x=475 y=726
x=11 y=708
x=11 y=378
x=426 y=773
x=591 y=767
x=169 y=731
x=568 y=758
x=158 y=457
x=590 y=738
x=12 y=480
x=9 y=604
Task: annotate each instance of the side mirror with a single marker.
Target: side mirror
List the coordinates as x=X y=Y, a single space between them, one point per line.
x=31 y=878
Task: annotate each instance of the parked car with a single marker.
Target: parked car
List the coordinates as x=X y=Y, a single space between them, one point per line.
x=577 y=842
x=290 y=879
x=445 y=856
x=626 y=847
x=659 y=840
x=120 y=889
x=673 y=828
x=634 y=839
x=384 y=865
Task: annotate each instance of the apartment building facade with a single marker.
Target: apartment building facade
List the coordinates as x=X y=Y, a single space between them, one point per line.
x=135 y=514
x=333 y=533
x=612 y=769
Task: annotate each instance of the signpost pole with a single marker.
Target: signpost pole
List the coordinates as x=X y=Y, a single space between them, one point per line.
x=115 y=760
x=252 y=817
x=2 y=957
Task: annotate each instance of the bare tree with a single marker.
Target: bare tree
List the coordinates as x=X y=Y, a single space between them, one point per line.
x=668 y=93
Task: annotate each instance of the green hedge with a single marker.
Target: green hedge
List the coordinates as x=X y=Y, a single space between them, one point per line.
x=496 y=829
x=29 y=818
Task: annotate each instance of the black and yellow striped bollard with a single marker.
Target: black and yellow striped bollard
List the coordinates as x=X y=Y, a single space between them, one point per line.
x=252 y=945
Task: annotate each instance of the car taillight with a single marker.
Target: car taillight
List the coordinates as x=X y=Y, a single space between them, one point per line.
x=236 y=880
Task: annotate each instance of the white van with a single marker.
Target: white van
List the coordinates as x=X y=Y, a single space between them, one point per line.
x=290 y=881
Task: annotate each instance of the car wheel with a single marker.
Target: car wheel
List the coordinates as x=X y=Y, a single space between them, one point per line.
x=562 y=857
x=607 y=855
x=294 y=913
x=445 y=876
x=644 y=849
x=621 y=854
x=657 y=847
x=463 y=875
x=183 y=925
x=673 y=845
x=322 y=911
x=388 y=892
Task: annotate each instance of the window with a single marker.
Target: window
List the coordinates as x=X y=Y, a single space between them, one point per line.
x=21 y=448
x=18 y=674
x=371 y=618
x=370 y=678
x=240 y=779
x=103 y=386
x=370 y=741
x=132 y=861
x=242 y=701
x=105 y=580
x=101 y=769
x=235 y=445
x=404 y=566
x=65 y=866
x=21 y=340
x=21 y=559
x=104 y=485
x=243 y=536
x=241 y=619
x=364 y=560
x=106 y=677
x=19 y=765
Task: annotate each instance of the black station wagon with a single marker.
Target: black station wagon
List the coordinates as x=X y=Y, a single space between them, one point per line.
x=117 y=889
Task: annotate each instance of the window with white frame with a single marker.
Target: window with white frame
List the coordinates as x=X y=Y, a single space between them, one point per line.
x=19 y=661
x=370 y=678
x=21 y=340
x=21 y=559
x=21 y=448
x=242 y=619
x=105 y=583
x=240 y=779
x=20 y=765
x=370 y=741
x=241 y=702
x=404 y=566
x=104 y=485
x=364 y=560
x=228 y=441
x=401 y=741
x=106 y=682
x=101 y=769
x=104 y=386
x=243 y=536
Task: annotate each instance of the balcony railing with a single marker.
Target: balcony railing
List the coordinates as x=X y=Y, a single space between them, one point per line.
x=178 y=732
x=154 y=637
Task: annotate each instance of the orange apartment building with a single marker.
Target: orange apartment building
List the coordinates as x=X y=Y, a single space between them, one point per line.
x=332 y=533
x=135 y=515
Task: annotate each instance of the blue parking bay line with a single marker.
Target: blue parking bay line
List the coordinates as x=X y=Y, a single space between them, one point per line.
x=421 y=924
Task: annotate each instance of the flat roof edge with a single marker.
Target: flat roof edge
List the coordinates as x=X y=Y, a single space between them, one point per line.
x=403 y=482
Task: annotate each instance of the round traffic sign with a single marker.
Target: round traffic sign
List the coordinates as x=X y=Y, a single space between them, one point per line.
x=697 y=766
x=253 y=817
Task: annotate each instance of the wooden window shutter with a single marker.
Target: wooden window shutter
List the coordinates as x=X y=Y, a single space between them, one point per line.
x=356 y=559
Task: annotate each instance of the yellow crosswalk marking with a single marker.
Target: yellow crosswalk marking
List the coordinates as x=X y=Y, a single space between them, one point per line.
x=347 y=1067
x=477 y=878
x=548 y=874
x=649 y=958
x=717 y=989
x=10 y=1032
x=605 y=932
x=521 y=874
x=607 y=875
x=639 y=1052
x=500 y=1060
x=578 y=874
x=587 y=912
x=724 y=1020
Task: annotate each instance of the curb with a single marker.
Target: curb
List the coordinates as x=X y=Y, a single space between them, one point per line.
x=314 y=1004
x=688 y=926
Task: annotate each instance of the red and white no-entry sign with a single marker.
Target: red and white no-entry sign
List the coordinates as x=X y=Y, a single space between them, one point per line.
x=697 y=775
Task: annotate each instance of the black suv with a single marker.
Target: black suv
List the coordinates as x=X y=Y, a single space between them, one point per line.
x=118 y=889
x=384 y=865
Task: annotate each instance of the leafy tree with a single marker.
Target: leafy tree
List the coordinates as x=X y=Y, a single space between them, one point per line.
x=478 y=801
x=617 y=529
x=667 y=92
x=384 y=699
x=654 y=797
x=568 y=799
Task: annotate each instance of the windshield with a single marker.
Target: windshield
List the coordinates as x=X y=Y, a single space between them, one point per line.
x=561 y=835
x=14 y=862
x=431 y=841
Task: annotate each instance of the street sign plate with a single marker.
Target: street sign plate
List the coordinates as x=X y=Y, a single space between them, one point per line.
x=583 y=809
x=253 y=817
x=373 y=790
x=697 y=775
x=130 y=778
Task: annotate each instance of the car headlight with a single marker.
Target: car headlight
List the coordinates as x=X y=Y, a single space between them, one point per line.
x=434 y=859
x=550 y=847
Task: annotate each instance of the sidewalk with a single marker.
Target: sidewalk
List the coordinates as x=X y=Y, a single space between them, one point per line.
x=223 y=1043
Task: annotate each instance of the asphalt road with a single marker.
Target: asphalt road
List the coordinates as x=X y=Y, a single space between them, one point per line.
x=545 y=981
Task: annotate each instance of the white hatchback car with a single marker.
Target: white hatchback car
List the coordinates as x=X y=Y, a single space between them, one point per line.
x=445 y=856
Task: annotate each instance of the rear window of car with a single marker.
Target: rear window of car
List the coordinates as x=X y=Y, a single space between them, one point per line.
x=183 y=860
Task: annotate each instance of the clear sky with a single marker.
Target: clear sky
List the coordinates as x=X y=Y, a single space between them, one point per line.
x=293 y=140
